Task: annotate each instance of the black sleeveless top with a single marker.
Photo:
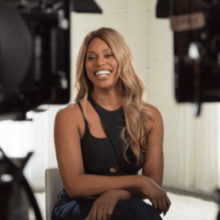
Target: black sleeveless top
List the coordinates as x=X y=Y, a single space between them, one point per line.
x=98 y=153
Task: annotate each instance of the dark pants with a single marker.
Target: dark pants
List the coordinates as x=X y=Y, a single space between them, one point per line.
x=78 y=209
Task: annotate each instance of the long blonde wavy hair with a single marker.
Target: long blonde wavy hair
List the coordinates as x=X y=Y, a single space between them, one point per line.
x=135 y=111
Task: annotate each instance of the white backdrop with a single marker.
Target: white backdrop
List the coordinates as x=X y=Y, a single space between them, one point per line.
x=19 y=138
x=198 y=149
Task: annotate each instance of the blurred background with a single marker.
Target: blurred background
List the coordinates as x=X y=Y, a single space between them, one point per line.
x=191 y=145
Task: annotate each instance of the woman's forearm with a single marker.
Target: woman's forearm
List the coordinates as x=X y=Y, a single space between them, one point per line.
x=93 y=185
x=129 y=193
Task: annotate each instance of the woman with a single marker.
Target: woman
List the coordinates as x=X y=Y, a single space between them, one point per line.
x=99 y=171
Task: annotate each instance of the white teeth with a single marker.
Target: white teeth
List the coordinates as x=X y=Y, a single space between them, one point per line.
x=102 y=72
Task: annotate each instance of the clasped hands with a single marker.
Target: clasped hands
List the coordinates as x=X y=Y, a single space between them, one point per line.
x=104 y=205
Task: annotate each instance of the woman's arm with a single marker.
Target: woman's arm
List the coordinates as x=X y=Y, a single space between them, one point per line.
x=70 y=161
x=154 y=163
x=153 y=166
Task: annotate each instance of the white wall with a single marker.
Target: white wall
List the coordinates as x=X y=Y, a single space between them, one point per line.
x=160 y=86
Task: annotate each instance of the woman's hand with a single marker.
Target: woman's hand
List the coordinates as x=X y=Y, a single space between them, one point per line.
x=104 y=205
x=155 y=194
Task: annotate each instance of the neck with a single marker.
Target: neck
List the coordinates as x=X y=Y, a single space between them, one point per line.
x=109 y=100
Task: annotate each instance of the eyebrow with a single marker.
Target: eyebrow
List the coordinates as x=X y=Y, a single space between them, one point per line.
x=95 y=52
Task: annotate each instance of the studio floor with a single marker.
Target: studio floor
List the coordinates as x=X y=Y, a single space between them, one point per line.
x=184 y=207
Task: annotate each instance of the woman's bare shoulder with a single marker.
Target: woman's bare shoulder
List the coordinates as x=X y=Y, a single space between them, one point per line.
x=155 y=127
x=154 y=110
x=69 y=113
x=155 y=118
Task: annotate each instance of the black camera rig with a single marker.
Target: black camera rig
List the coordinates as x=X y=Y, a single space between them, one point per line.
x=35 y=53
x=196 y=26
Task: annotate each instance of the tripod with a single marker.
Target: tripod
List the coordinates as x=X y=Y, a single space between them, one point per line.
x=216 y=197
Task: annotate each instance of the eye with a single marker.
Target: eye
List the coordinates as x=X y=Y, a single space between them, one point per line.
x=109 y=55
x=91 y=57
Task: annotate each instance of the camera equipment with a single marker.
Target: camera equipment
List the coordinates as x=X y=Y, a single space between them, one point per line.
x=15 y=192
x=35 y=53
x=216 y=197
x=196 y=26
x=34 y=70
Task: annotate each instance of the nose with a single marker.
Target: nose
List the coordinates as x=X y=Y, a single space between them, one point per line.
x=100 y=61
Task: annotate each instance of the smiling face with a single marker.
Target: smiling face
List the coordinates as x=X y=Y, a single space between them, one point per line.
x=101 y=65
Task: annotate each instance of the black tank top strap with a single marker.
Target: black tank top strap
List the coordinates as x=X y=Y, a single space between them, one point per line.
x=86 y=123
x=80 y=106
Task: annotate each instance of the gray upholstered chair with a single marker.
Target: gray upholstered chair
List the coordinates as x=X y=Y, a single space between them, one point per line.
x=53 y=185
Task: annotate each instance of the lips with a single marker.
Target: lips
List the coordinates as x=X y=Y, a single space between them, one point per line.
x=102 y=72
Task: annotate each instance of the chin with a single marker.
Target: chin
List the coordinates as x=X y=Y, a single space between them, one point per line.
x=105 y=87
